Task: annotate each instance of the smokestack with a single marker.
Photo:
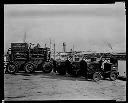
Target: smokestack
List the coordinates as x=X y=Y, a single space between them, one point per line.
x=50 y=44
x=54 y=51
x=45 y=45
x=64 y=47
x=24 y=38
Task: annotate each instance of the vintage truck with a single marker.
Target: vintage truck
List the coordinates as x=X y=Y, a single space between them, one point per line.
x=22 y=57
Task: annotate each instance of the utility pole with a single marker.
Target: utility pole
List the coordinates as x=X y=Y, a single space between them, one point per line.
x=73 y=47
x=73 y=53
x=50 y=44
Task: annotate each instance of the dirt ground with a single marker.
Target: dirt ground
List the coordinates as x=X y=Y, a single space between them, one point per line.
x=40 y=86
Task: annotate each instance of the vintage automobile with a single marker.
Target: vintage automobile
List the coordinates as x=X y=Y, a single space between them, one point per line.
x=96 y=70
x=103 y=69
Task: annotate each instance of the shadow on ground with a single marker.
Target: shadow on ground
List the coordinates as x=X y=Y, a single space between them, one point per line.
x=53 y=75
x=122 y=78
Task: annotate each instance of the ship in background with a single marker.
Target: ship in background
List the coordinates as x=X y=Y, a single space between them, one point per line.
x=76 y=55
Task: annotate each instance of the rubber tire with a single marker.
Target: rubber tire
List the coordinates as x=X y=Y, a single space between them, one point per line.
x=96 y=76
x=27 y=69
x=47 y=67
x=11 y=66
x=113 y=76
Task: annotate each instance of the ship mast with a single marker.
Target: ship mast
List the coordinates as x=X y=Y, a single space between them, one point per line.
x=24 y=39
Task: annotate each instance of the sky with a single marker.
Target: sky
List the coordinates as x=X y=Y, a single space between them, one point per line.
x=86 y=26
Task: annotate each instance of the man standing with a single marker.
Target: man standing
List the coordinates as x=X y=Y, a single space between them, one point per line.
x=68 y=66
x=54 y=65
x=83 y=67
x=113 y=60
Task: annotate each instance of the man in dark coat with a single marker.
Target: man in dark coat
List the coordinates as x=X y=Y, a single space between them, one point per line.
x=54 y=65
x=83 y=67
x=113 y=60
x=68 y=66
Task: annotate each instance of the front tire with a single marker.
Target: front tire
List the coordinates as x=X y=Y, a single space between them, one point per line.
x=96 y=76
x=11 y=68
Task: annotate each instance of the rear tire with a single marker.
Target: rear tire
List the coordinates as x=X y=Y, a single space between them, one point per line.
x=11 y=69
x=29 y=67
x=47 y=67
x=96 y=76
